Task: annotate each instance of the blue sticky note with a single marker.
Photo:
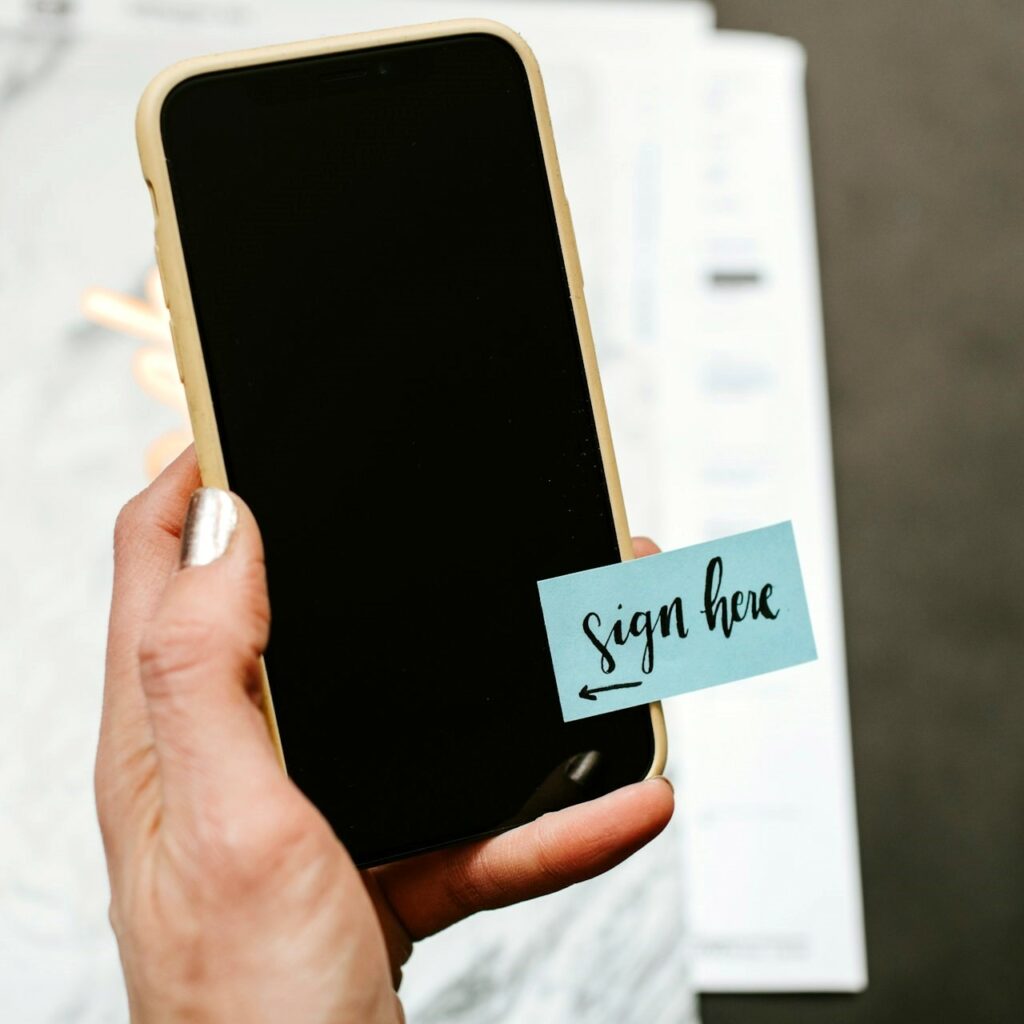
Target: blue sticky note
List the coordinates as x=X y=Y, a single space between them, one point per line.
x=639 y=631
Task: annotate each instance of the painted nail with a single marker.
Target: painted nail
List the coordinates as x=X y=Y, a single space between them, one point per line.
x=209 y=523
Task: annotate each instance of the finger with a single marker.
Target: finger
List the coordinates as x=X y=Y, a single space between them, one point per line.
x=434 y=891
x=147 y=541
x=397 y=939
x=146 y=546
x=199 y=660
x=644 y=546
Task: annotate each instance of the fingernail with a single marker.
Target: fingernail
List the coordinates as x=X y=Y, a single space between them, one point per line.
x=209 y=523
x=663 y=778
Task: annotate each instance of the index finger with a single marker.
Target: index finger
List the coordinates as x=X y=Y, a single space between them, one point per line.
x=147 y=539
x=435 y=890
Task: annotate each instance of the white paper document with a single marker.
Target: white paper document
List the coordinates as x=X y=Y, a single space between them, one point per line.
x=769 y=853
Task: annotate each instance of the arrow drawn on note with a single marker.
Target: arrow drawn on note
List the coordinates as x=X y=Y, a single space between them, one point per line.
x=590 y=692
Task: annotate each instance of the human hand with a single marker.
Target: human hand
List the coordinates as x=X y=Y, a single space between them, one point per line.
x=231 y=898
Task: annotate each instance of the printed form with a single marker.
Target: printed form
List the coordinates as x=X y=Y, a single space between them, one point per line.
x=769 y=852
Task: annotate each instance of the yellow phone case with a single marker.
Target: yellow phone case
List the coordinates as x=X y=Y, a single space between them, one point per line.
x=171 y=261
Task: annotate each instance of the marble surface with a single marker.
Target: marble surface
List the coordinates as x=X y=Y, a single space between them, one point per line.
x=73 y=429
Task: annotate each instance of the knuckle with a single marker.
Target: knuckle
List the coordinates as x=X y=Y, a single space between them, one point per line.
x=471 y=883
x=115 y=917
x=101 y=787
x=128 y=523
x=241 y=851
x=180 y=643
x=124 y=910
x=549 y=864
x=174 y=648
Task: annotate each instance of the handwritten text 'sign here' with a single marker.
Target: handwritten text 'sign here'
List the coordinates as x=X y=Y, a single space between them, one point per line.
x=644 y=630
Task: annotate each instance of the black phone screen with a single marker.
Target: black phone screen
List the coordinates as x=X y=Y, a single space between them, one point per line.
x=397 y=380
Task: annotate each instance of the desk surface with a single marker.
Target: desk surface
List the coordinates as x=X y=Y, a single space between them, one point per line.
x=916 y=111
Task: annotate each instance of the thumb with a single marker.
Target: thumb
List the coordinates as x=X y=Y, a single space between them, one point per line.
x=200 y=658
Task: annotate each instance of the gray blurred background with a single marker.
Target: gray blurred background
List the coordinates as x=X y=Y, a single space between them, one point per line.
x=917 y=135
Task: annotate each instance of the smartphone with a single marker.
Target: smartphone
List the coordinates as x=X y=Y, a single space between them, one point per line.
x=379 y=320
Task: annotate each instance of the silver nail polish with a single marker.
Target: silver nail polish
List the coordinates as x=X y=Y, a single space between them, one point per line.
x=209 y=523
